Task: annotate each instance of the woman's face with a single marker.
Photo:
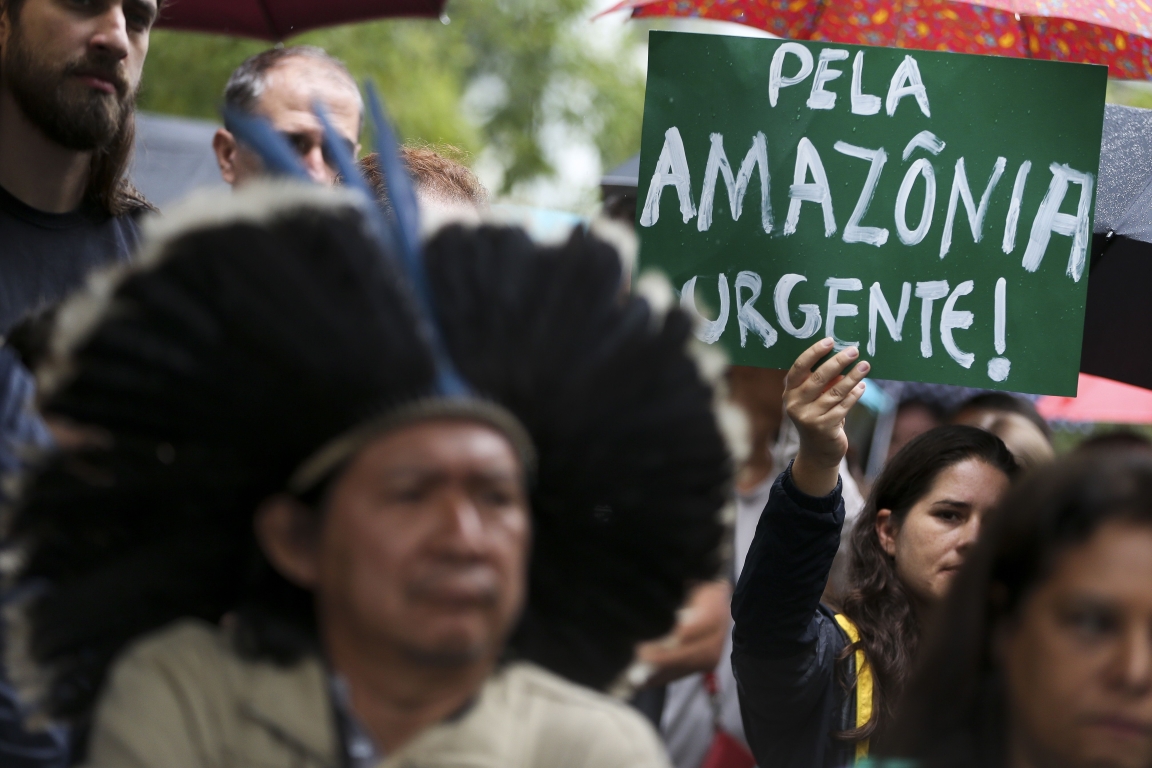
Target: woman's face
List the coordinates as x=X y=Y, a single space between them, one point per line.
x=934 y=539
x=1077 y=661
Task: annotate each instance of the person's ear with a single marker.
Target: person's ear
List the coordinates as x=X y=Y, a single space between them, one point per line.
x=225 y=146
x=289 y=535
x=886 y=531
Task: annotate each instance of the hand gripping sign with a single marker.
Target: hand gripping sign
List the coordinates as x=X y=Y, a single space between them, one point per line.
x=933 y=208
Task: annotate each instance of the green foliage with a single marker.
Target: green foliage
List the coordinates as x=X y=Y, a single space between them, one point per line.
x=530 y=56
x=185 y=72
x=533 y=47
x=1065 y=437
x=1131 y=93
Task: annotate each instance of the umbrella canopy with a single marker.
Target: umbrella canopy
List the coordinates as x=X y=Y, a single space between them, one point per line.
x=1120 y=283
x=1124 y=192
x=619 y=185
x=1100 y=400
x=627 y=174
x=173 y=156
x=1112 y=32
x=278 y=19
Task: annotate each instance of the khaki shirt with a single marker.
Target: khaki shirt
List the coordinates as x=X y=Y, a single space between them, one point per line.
x=182 y=698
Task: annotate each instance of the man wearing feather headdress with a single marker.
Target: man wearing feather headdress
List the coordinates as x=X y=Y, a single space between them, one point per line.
x=334 y=523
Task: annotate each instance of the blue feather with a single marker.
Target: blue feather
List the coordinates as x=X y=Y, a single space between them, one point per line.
x=405 y=225
x=398 y=233
x=353 y=179
x=257 y=134
x=401 y=191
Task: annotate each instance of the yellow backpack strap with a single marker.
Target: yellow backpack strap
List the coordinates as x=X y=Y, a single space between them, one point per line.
x=863 y=684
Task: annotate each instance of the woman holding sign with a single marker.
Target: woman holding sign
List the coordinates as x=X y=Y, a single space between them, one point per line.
x=816 y=686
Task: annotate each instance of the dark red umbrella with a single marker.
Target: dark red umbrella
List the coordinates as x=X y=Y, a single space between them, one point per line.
x=279 y=19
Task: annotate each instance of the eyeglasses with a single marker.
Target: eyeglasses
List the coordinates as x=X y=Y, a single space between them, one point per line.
x=303 y=144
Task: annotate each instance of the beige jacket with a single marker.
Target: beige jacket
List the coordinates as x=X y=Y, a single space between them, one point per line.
x=182 y=698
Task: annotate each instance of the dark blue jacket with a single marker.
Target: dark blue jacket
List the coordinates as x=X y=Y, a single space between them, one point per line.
x=43 y=258
x=21 y=430
x=785 y=643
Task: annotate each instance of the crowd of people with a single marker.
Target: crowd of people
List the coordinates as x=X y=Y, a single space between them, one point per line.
x=289 y=482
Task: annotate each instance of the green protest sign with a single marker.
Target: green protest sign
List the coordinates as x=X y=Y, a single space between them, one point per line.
x=933 y=208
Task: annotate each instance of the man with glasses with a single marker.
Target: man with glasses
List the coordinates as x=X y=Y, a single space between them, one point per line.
x=283 y=85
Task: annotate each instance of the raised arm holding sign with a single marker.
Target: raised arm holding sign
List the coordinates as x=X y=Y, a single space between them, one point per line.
x=934 y=208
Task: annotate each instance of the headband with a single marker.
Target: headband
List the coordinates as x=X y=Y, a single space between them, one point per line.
x=321 y=464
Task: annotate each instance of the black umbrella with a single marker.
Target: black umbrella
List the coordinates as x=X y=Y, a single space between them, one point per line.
x=618 y=189
x=1118 y=309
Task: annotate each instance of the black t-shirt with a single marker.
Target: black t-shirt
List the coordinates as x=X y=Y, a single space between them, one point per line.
x=46 y=256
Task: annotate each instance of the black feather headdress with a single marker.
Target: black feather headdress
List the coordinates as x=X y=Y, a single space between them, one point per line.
x=251 y=335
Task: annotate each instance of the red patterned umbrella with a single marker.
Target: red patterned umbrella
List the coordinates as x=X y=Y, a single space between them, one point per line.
x=278 y=19
x=1112 y=32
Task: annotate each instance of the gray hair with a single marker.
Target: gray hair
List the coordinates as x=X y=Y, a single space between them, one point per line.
x=248 y=81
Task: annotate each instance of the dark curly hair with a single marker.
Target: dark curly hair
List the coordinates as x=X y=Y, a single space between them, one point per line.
x=241 y=347
x=877 y=603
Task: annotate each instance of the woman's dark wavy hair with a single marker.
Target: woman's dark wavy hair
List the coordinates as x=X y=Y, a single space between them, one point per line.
x=223 y=365
x=876 y=602
x=954 y=713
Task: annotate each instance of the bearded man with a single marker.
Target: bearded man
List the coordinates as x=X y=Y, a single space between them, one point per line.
x=69 y=73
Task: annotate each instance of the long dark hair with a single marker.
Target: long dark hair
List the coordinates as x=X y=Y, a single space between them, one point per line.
x=954 y=712
x=877 y=602
x=108 y=190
